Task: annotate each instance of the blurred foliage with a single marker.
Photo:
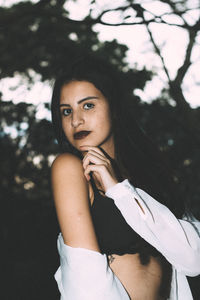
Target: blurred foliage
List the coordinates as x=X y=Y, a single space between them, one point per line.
x=39 y=37
x=28 y=223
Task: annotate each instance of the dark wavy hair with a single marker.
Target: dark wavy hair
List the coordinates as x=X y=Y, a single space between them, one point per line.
x=136 y=157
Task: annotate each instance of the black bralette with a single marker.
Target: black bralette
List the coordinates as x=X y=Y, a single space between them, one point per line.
x=114 y=234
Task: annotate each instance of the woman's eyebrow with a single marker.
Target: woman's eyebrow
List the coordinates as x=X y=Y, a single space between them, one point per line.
x=80 y=101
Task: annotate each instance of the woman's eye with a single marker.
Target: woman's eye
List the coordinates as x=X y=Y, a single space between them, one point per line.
x=88 y=106
x=66 y=111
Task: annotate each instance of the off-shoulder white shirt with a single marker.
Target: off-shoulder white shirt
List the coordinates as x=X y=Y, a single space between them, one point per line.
x=85 y=274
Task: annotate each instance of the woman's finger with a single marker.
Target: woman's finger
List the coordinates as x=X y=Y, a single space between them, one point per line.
x=94 y=159
x=98 y=169
x=94 y=148
x=102 y=175
x=96 y=154
x=91 y=152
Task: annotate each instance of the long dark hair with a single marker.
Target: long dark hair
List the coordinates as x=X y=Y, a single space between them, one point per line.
x=136 y=157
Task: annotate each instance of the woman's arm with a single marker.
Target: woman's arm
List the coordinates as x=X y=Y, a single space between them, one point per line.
x=71 y=196
x=177 y=240
x=84 y=272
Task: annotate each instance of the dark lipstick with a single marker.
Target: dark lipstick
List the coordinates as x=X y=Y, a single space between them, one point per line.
x=81 y=134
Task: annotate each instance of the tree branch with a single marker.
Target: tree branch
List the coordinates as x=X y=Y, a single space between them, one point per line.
x=187 y=62
x=158 y=52
x=139 y=10
x=175 y=85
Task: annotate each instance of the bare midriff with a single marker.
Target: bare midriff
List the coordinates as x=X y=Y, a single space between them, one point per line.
x=142 y=282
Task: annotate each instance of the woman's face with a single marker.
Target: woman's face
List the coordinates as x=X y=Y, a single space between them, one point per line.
x=85 y=116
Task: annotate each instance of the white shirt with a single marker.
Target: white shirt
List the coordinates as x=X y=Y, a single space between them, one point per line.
x=85 y=274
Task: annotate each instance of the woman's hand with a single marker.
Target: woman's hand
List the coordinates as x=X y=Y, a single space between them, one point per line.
x=96 y=162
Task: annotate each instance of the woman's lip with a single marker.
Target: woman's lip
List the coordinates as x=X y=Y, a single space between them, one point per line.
x=81 y=134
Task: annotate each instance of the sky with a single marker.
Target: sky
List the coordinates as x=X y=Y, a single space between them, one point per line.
x=172 y=40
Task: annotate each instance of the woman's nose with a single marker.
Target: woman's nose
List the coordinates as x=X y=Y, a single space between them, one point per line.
x=77 y=119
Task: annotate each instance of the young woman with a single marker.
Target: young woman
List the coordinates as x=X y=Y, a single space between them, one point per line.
x=117 y=241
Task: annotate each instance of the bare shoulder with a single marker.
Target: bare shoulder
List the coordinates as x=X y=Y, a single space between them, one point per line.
x=66 y=162
x=68 y=176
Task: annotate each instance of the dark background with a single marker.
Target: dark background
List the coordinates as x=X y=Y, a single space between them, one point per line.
x=37 y=37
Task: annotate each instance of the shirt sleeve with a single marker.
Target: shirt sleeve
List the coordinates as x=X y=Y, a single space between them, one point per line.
x=85 y=275
x=178 y=240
